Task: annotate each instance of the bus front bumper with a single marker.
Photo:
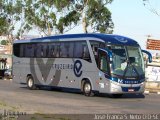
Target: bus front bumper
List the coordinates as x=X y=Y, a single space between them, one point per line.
x=117 y=88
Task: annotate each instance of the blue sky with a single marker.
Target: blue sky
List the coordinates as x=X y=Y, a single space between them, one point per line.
x=133 y=20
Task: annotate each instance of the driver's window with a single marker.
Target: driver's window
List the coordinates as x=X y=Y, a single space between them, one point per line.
x=102 y=62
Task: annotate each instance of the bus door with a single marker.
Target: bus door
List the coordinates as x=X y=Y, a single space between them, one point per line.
x=103 y=62
x=104 y=73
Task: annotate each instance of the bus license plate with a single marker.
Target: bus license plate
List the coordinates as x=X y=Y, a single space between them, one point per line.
x=130 y=90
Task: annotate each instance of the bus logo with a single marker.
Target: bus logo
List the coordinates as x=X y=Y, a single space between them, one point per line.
x=121 y=39
x=77 y=68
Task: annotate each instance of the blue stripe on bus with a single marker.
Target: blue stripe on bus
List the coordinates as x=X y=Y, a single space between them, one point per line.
x=109 y=38
x=128 y=81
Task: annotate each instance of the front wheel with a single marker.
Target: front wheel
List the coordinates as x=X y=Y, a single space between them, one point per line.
x=87 y=89
x=30 y=83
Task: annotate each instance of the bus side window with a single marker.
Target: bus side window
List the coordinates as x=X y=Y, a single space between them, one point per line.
x=22 y=49
x=41 y=51
x=85 y=52
x=64 y=50
x=29 y=50
x=38 y=50
x=17 y=50
x=53 y=50
x=78 y=52
x=81 y=51
x=103 y=62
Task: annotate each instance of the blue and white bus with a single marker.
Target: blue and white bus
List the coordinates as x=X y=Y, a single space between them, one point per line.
x=91 y=63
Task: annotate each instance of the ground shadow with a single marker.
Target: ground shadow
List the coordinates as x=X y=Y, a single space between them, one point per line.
x=71 y=91
x=125 y=96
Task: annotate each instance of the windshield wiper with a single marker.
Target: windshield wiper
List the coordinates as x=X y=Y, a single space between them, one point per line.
x=125 y=71
x=129 y=64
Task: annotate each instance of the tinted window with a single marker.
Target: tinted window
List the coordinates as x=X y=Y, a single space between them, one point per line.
x=29 y=50
x=66 y=49
x=81 y=50
x=53 y=50
x=22 y=50
x=16 y=50
x=95 y=45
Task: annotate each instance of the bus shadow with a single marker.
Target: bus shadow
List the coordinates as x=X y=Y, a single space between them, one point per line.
x=103 y=95
x=125 y=96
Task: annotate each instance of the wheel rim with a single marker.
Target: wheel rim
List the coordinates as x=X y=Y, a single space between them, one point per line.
x=30 y=83
x=87 y=88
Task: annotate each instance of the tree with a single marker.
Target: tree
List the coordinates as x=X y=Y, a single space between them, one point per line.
x=48 y=16
x=59 y=16
x=10 y=13
x=4 y=42
x=94 y=14
x=54 y=16
x=3 y=25
x=99 y=17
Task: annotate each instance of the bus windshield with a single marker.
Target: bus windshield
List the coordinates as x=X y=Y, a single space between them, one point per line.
x=127 y=61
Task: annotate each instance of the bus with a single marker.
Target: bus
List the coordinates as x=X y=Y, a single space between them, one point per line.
x=91 y=63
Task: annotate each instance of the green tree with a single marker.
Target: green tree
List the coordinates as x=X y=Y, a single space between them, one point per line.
x=10 y=14
x=95 y=15
x=59 y=16
x=3 y=25
x=47 y=16
x=4 y=42
x=54 y=16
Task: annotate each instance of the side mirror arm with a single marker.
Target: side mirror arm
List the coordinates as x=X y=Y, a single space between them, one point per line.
x=108 y=52
x=149 y=55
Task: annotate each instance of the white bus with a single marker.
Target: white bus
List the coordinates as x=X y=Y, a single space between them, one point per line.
x=90 y=63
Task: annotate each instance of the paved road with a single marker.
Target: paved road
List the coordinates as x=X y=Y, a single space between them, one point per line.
x=17 y=97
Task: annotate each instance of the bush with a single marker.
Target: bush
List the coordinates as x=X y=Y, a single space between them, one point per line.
x=4 y=42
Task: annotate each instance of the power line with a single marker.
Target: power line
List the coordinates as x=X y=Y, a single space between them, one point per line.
x=147 y=4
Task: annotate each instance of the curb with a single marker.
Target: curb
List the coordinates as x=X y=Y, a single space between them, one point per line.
x=152 y=87
x=148 y=92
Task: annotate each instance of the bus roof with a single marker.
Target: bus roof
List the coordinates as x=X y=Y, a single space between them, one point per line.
x=108 y=38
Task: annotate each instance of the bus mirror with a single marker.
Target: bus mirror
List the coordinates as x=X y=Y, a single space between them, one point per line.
x=149 y=55
x=108 y=53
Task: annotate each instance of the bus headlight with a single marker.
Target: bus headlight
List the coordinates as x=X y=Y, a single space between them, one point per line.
x=115 y=87
x=114 y=90
x=115 y=83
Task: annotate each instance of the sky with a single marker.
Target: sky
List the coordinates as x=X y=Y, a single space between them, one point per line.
x=132 y=19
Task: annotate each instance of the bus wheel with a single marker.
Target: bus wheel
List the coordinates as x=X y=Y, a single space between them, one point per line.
x=30 y=83
x=87 y=89
x=117 y=95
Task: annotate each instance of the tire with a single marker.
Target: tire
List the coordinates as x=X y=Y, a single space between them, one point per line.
x=87 y=89
x=30 y=83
